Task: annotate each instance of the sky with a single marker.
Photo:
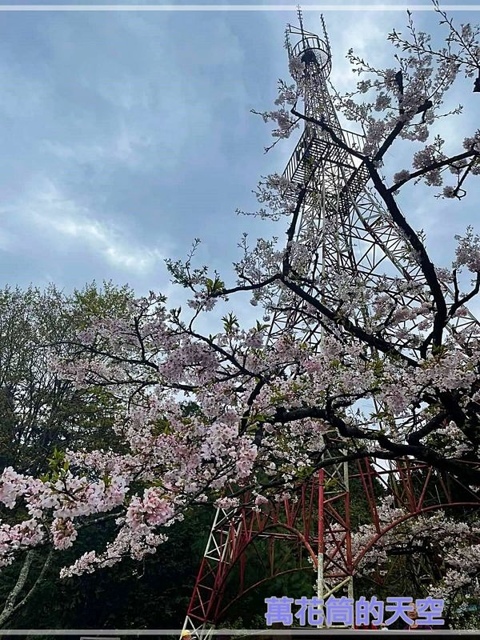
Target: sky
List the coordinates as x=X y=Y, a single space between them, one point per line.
x=125 y=135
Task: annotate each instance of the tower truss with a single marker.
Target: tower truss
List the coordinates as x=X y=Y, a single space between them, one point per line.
x=342 y=228
x=284 y=537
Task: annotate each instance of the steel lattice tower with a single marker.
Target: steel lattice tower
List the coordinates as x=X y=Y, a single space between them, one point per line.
x=341 y=228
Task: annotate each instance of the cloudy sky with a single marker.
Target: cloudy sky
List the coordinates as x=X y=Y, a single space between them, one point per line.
x=124 y=135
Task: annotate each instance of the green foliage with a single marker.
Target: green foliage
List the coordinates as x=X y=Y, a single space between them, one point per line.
x=42 y=414
x=58 y=466
x=214 y=286
x=230 y=323
x=91 y=302
x=153 y=594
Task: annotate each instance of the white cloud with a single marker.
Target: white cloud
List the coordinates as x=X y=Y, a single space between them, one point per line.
x=366 y=35
x=125 y=146
x=78 y=228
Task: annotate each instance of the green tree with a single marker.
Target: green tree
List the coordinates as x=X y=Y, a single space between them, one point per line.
x=41 y=413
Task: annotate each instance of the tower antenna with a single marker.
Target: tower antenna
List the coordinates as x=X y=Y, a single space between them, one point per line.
x=300 y=20
x=325 y=36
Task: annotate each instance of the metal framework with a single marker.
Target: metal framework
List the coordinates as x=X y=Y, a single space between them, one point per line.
x=342 y=228
x=285 y=537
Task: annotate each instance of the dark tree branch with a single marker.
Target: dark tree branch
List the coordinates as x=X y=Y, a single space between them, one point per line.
x=433 y=424
x=459 y=302
x=432 y=167
x=417 y=245
x=250 y=287
x=356 y=331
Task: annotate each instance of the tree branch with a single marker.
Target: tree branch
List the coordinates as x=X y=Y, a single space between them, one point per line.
x=368 y=338
x=417 y=245
x=432 y=167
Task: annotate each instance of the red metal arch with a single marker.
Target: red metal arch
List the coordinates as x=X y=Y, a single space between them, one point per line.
x=268 y=530
x=358 y=559
x=318 y=520
x=237 y=530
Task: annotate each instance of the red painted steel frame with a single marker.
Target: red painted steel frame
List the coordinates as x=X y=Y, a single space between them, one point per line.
x=311 y=523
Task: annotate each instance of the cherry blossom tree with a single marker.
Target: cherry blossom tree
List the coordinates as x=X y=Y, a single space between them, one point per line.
x=41 y=411
x=206 y=417
x=443 y=553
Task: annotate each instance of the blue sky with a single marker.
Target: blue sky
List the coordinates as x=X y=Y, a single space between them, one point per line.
x=127 y=134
